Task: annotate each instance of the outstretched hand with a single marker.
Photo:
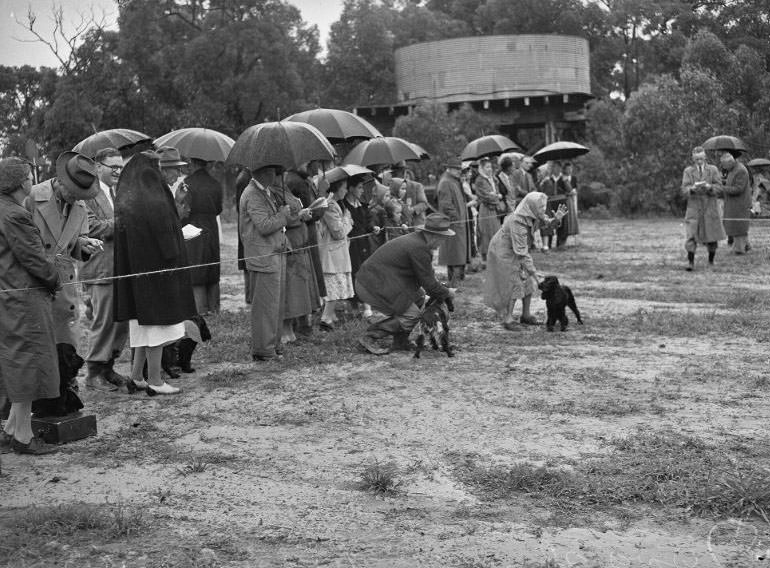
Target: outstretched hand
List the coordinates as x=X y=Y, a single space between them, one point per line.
x=561 y=211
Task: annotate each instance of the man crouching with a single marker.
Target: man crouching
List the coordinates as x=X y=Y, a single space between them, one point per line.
x=394 y=280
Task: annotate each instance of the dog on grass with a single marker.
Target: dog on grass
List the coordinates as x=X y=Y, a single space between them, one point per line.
x=434 y=324
x=68 y=401
x=557 y=299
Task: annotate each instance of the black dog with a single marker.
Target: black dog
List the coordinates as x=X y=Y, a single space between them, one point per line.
x=434 y=323
x=557 y=298
x=68 y=401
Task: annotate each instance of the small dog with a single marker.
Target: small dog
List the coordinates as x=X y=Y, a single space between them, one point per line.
x=434 y=323
x=68 y=401
x=557 y=299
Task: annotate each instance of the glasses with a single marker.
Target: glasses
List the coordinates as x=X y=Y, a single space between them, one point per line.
x=115 y=169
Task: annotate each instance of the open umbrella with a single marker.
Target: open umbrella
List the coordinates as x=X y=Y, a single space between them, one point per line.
x=491 y=145
x=114 y=138
x=560 y=151
x=343 y=172
x=758 y=163
x=724 y=142
x=200 y=143
x=285 y=144
x=337 y=125
x=420 y=150
x=382 y=150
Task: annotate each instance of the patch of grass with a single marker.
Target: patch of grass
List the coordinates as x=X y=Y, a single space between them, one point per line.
x=380 y=477
x=660 y=469
x=689 y=323
x=195 y=465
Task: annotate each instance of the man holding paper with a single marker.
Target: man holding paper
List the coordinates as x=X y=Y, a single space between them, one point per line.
x=702 y=185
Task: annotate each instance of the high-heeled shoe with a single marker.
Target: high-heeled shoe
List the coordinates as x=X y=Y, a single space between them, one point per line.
x=132 y=386
x=165 y=388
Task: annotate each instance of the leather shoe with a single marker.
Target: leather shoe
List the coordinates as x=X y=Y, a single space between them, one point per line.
x=326 y=326
x=528 y=320
x=35 y=447
x=510 y=326
x=371 y=346
x=165 y=388
x=5 y=442
x=132 y=386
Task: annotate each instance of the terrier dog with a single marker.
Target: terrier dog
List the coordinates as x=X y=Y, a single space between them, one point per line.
x=434 y=323
x=68 y=401
x=557 y=299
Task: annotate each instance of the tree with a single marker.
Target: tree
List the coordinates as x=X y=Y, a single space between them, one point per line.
x=24 y=94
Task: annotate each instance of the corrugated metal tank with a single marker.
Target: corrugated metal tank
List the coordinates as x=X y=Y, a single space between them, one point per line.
x=492 y=67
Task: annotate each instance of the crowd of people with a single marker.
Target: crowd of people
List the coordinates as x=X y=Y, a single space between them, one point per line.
x=112 y=231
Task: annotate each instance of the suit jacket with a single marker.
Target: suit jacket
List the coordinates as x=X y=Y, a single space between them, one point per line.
x=61 y=241
x=101 y=225
x=702 y=219
x=262 y=226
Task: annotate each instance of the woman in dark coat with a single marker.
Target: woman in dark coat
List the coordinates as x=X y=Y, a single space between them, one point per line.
x=148 y=238
x=360 y=246
x=28 y=363
x=205 y=199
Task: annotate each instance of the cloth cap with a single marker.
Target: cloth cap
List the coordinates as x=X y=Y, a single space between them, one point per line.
x=13 y=172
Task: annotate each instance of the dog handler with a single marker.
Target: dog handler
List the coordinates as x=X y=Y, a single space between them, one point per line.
x=510 y=270
x=392 y=281
x=28 y=362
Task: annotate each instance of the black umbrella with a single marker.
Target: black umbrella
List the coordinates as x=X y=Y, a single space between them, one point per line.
x=383 y=150
x=337 y=125
x=284 y=144
x=724 y=143
x=560 y=151
x=114 y=138
x=491 y=145
x=420 y=150
x=200 y=143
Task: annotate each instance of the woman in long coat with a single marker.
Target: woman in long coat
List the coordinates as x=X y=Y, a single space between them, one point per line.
x=359 y=247
x=511 y=272
x=737 y=208
x=489 y=202
x=148 y=238
x=571 y=184
x=335 y=257
x=28 y=362
x=454 y=251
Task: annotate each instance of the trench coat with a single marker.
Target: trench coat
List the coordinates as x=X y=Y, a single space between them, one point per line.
x=28 y=362
x=303 y=187
x=61 y=240
x=333 y=239
x=737 y=189
x=148 y=237
x=702 y=221
x=489 y=202
x=394 y=277
x=205 y=200
x=451 y=202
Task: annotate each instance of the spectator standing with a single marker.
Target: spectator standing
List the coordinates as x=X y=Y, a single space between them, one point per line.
x=107 y=337
x=737 y=205
x=149 y=243
x=453 y=251
x=62 y=218
x=489 y=205
x=554 y=187
x=571 y=184
x=335 y=257
x=360 y=246
x=702 y=185
x=28 y=362
x=205 y=194
x=263 y=230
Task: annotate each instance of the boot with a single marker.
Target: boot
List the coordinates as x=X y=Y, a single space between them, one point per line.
x=690 y=262
x=401 y=342
x=186 y=348
x=112 y=376
x=96 y=379
x=712 y=254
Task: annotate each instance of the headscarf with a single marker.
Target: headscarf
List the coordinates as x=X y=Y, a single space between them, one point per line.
x=395 y=186
x=532 y=207
x=13 y=173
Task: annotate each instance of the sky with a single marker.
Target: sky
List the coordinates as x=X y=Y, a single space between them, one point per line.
x=17 y=45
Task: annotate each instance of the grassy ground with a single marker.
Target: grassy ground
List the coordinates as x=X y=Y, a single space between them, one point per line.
x=638 y=439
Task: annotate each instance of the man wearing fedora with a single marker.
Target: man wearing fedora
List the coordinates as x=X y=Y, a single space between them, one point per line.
x=59 y=213
x=395 y=279
x=171 y=165
x=107 y=337
x=451 y=203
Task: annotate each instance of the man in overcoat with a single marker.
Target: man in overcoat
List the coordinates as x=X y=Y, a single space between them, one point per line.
x=62 y=218
x=107 y=337
x=702 y=186
x=737 y=208
x=395 y=279
x=262 y=225
x=451 y=203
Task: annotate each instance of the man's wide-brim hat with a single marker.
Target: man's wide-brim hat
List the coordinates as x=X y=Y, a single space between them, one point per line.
x=454 y=163
x=170 y=157
x=438 y=224
x=78 y=174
